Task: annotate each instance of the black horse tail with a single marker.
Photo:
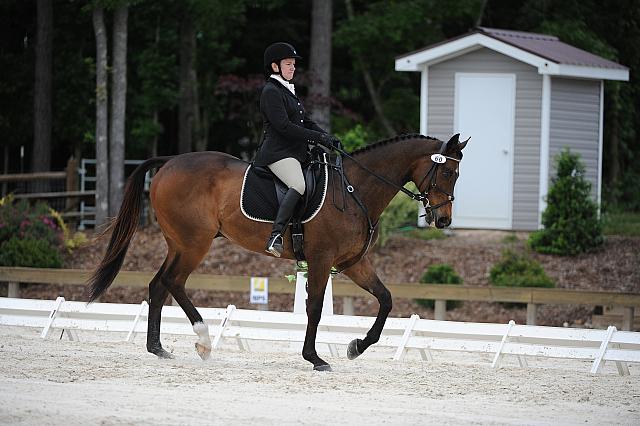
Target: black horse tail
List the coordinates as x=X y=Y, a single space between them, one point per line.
x=124 y=226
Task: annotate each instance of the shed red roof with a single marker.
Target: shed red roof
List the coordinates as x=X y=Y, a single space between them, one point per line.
x=549 y=47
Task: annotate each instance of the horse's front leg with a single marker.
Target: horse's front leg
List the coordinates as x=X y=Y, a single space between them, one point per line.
x=316 y=284
x=363 y=274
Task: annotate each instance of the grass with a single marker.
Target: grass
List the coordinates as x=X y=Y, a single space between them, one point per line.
x=622 y=223
x=427 y=233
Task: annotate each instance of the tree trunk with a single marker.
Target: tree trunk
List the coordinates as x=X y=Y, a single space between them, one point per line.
x=368 y=80
x=41 y=156
x=320 y=62
x=483 y=6
x=187 y=83
x=102 y=119
x=118 y=109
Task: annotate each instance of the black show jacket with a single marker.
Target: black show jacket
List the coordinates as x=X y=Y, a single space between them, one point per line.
x=287 y=130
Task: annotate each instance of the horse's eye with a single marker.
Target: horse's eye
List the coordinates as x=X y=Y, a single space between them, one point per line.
x=446 y=174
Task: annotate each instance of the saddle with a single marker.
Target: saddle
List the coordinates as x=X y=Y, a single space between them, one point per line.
x=262 y=193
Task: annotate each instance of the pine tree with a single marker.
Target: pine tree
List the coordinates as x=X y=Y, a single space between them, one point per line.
x=571 y=223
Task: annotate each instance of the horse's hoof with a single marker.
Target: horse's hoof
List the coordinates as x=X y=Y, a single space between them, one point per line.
x=162 y=354
x=322 y=367
x=203 y=351
x=352 y=349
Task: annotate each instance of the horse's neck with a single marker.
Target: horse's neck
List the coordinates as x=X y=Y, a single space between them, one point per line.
x=391 y=161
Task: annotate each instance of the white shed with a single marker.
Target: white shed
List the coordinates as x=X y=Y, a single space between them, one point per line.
x=521 y=97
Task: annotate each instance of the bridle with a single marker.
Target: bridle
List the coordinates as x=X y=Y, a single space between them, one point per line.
x=422 y=196
x=430 y=177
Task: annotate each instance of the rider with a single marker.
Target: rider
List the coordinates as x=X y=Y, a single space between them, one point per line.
x=287 y=132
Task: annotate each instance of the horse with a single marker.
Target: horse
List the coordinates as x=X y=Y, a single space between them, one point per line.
x=196 y=198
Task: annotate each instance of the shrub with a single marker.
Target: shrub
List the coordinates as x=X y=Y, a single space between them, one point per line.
x=571 y=224
x=32 y=235
x=400 y=211
x=29 y=252
x=354 y=138
x=518 y=270
x=439 y=274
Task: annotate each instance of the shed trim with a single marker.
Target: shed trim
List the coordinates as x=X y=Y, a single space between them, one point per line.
x=600 y=143
x=459 y=46
x=545 y=120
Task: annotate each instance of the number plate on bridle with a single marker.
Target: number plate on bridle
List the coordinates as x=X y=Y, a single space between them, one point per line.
x=438 y=158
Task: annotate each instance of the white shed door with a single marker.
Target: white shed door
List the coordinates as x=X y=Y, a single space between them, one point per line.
x=484 y=110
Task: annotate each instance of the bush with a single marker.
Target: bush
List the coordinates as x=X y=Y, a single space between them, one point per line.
x=518 y=270
x=571 y=224
x=29 y=252
x=402 y=210
x=31 y=235
x=354 y=138
x=439 y=274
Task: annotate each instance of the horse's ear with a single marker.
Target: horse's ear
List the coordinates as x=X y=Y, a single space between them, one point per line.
x=455 y=140
x=462 y=144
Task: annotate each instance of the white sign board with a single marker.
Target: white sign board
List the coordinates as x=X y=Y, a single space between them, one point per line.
x=259 y=294
x=300 y=301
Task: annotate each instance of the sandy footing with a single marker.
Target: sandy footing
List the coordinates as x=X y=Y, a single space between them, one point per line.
x=100 y=380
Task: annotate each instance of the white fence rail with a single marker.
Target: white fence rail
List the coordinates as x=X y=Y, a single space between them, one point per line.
x=401 y=334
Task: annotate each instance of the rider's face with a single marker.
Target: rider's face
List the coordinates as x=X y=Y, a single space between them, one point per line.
x=288 y=66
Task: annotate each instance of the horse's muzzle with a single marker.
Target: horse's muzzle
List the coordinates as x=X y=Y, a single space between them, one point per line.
x=443 y=222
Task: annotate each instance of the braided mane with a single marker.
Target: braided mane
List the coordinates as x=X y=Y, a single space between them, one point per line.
x=391 y=140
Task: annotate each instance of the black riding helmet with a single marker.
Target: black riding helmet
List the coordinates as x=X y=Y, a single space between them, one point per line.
x=275 y=53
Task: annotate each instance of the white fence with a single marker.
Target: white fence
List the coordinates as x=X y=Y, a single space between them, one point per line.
x=401 y=334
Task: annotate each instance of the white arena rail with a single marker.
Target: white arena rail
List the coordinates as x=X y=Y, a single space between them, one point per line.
x=401 y=334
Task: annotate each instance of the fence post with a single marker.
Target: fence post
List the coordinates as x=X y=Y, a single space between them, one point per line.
x=347 y=305
x=440 y=310
x=71 y=183
x=532 y=312
x=627 y=319
x=13 y=290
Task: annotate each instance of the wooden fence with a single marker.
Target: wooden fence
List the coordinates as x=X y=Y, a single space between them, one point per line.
x=70 y=194
x=533 y=297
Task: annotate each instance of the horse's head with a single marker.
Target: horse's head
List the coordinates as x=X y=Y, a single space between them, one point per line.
x=435 y=174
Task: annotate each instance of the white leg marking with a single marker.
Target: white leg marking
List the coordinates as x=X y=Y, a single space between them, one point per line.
x=202 y=330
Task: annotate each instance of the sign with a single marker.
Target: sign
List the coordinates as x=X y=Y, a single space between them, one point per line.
x=259 y=294
x=437 y=158
x=300 y=300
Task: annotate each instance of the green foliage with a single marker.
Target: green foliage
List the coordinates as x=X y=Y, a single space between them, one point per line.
x=518 y=270
x=621 y=223
x=571 y=224
x=428 y=233
x=29 y=252
x=354 y=138
x=29 y=235
x=400 y=211
x=440 y=274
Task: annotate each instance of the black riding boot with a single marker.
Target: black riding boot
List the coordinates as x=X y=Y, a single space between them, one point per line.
x=285 y=211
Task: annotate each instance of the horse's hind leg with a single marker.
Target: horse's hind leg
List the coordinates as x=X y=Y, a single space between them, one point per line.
x=364 y=275
x=174 y=280
x=157 y=295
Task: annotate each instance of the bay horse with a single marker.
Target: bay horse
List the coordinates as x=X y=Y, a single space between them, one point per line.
x=196 y=198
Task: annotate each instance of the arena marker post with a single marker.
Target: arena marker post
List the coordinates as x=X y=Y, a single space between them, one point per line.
x=494 y=364
x=52 y=316
x=132 y=331
x=223 y=325
x=595 y=368
x=399 y=355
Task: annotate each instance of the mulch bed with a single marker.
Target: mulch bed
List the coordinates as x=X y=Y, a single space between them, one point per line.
x=614 y=267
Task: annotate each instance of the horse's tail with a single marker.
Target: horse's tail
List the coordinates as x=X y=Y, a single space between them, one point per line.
x=124 y=226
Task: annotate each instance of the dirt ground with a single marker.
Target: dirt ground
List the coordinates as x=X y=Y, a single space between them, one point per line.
x=615 y=267
x=100 y=380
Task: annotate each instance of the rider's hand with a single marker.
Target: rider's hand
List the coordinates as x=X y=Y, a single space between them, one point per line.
x=329 y=141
